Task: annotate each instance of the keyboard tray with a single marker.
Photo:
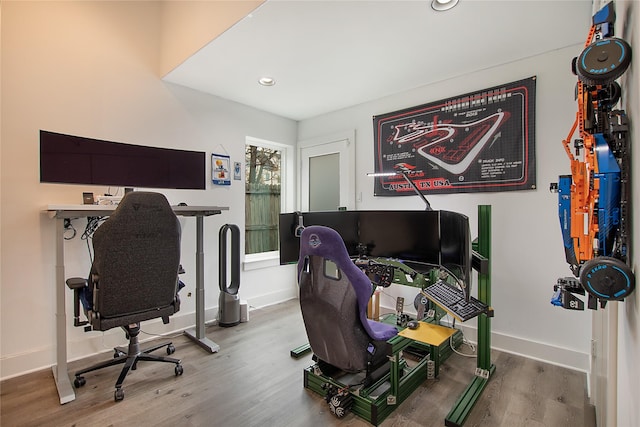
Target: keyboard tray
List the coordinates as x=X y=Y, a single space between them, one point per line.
x=452 y=300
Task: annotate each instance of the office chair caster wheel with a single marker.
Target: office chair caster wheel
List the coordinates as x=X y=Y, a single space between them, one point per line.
x=118 y=353
x=118 y=395
x=171 y=349
x=179 y=370
x=79 y=382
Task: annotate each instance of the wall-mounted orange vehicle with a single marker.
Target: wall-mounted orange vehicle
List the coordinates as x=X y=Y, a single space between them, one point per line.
x=593 y=202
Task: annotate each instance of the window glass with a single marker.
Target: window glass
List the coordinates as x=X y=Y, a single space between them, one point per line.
x=263 y=172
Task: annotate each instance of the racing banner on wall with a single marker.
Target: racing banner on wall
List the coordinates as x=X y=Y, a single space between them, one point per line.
x=480 y=141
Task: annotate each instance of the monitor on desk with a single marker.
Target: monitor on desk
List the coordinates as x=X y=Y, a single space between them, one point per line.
x=420 y=238
x=70 y=159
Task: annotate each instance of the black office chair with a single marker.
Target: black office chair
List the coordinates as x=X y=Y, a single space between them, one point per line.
x=134 y=277
x=334 y=294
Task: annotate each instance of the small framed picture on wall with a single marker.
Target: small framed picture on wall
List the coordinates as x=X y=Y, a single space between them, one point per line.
x=220 y=169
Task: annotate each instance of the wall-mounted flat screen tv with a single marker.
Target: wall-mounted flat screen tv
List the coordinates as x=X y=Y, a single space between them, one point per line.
x=78 y=160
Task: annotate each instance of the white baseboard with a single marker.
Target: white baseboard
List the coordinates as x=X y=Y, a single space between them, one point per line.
x=543 y=352
x=95 y=342
x=91 y=343
x=273 y=298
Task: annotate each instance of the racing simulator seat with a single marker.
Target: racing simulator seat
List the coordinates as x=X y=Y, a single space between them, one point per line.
x=359 y=361
x=134 y=277
x=334 y=294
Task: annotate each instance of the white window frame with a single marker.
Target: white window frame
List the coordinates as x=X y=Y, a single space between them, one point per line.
x=287 y=193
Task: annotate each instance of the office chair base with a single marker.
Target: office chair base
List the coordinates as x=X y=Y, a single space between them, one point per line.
x=130 y=359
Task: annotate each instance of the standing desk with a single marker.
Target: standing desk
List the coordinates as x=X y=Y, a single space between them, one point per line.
x=62 y=212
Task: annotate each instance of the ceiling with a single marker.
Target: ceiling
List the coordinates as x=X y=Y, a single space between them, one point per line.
x=328 y=55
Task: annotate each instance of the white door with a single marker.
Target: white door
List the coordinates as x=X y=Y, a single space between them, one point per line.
x=327 y=173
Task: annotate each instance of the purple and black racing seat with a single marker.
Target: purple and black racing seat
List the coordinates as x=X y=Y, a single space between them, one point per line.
x=334 y=294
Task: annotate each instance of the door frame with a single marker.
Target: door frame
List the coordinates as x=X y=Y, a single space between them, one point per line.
x=342 y=143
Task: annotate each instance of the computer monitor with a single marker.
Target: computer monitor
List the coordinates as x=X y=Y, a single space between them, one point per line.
x=70 y=159
x=421 y=238
x=405 y=235
x=344 y=222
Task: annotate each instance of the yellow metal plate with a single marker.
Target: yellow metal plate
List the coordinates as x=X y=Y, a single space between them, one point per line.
x=428 y=333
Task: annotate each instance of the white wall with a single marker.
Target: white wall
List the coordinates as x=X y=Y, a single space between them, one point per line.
x=205 y=20
x=528 y=254
x=90 y=69
x=627 y=27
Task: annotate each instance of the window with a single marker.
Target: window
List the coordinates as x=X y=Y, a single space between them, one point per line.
x=264 y=195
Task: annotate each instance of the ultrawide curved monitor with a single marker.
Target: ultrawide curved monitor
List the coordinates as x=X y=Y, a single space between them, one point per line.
x=434 y=238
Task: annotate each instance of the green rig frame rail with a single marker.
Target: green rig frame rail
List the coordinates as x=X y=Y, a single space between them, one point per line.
x=484 y=367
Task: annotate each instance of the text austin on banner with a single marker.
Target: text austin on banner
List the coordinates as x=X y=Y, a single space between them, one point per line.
x=480 y=141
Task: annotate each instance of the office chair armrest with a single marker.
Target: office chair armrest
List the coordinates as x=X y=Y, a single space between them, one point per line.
x=77 y=284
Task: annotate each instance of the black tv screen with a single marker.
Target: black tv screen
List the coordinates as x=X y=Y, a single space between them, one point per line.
x=422 y=239
x=406 y=235
x=344 y=222
x=72 y=159
x=435 y=238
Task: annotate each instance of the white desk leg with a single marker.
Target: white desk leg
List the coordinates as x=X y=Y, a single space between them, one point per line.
x=60 y=374
x=197 y=334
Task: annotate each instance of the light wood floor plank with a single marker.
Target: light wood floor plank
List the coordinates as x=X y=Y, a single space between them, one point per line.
x=252 y=381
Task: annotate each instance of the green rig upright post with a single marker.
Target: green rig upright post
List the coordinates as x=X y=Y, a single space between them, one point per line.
x=485 y=368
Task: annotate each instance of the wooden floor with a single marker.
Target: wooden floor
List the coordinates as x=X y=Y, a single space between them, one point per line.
x=252 y=381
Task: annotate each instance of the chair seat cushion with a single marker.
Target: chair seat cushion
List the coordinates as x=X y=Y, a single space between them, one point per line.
x=381 y=331
x=106 y=323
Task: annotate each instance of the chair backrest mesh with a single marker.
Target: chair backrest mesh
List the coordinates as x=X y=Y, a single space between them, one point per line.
x=331 y=317
x=137 y=256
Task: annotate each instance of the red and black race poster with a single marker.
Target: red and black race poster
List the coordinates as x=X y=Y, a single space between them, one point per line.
x=480 y=141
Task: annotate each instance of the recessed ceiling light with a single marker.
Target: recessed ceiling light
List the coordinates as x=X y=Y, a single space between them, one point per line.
x=267 y=81
x=442 y=5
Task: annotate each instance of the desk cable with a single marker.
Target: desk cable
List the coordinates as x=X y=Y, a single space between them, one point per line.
x=93 y=222
x=471 y=345
x=68 y=225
